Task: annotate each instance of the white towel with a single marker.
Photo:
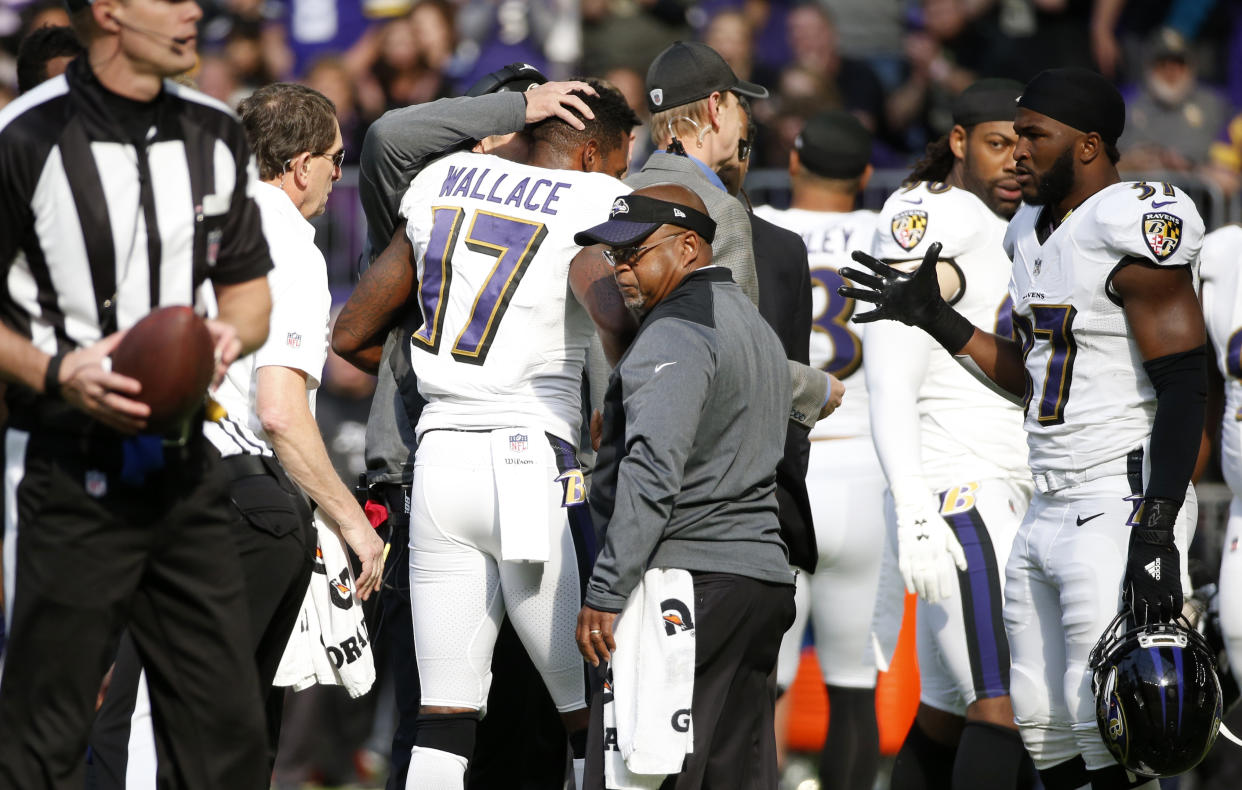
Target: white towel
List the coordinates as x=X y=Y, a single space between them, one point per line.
x=330 y=644
x=520 y=468
x=651 y=676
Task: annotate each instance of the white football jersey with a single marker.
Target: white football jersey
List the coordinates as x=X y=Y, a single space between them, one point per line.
x=503 y=339
x=1221 y=270
x=968 y=431
x=1069 y=319
x=836 y=341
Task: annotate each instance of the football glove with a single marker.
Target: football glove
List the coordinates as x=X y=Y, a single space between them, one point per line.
x=913 y=299
x=1152 y=586
x=928 y=553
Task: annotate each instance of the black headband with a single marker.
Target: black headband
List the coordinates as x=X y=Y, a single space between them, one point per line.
x=987 y=100
x=1079 y=98
x=635 y=217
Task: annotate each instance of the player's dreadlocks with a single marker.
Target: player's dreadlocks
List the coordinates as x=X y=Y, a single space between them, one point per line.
x=611 y=127
x=936 y=163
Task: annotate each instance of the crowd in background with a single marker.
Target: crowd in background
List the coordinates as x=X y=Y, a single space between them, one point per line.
x=894 y=63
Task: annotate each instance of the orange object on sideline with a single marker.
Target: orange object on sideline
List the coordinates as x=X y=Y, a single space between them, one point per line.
x=896 y=696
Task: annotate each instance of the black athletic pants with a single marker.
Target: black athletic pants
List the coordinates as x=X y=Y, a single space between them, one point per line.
x=739 y=623
x=274 y=535
x=94 y=556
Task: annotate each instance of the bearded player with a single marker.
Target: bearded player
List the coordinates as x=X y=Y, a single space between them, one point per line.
x=845 y=485
x=1109 y=359
x=953 y=453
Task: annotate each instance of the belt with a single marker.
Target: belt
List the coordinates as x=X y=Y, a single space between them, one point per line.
x=246 y=465
x=1051 y=480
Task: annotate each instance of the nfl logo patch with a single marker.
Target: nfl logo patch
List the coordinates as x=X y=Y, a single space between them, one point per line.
x=518 y=443
x=213 y=246
x=1233 y=545
x=657 y=96
x=1162 y=232
x=909 y=227
x=293 y=340
x=96 y=483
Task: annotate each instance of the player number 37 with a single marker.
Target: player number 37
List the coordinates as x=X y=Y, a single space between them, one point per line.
x=1054 y=324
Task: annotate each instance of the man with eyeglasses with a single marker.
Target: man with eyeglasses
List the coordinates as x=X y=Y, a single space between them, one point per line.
x=694 y=426
x=268 y=436
x=699 y=122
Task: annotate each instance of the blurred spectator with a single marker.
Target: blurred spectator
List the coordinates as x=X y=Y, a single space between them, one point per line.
x=731 y=33
x=631 y=85
x=44 y=13
x=218 y=79
x=495 y=33
x=434 y=33
x=918 y=111
x=814 y=46
x=44 y=54
x=1173 y=120
x=871 y=31
x=330 y=76
x=252 y=35
x=629 y=33
x=403 y=75
x=317 y=28
x=1224 y=165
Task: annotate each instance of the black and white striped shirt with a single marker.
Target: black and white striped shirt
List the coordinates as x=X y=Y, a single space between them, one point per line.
x=96 y=229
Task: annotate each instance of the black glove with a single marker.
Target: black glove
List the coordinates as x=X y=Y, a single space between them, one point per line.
x=1152 y=586
x=913 y=299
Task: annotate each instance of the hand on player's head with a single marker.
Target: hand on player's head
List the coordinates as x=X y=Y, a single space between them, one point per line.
x=559 y=99
x=909 y=298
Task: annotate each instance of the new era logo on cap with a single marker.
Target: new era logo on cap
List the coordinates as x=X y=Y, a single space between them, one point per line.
x=619 y=206
x=678 y=213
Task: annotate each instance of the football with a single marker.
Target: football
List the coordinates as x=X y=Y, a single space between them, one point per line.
x=171 y=353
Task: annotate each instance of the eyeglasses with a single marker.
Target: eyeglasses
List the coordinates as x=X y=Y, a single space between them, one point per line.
x=743 y=149
x=629 y=256
x=338 y=158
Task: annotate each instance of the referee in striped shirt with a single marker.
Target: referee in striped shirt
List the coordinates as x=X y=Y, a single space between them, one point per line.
x=121 y=192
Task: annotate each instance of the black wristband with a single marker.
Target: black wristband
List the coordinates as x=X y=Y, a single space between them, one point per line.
x=1156 y=522
x=51 y=379
x=949 y=328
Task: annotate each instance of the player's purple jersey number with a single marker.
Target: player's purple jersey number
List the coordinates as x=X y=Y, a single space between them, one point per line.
x=511 y=241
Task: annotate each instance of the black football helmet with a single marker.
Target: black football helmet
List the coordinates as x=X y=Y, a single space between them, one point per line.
x=1157 y=697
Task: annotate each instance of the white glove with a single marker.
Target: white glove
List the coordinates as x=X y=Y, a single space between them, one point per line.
x=927 y=549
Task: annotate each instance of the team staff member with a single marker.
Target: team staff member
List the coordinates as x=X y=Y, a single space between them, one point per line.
x=698 y=119
x=1111 y=359
x=693 y=429
x=121 y=192
x=828 y=169
x=269 y=434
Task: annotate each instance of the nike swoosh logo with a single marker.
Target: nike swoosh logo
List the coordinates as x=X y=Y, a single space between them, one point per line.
x=1162 y=203
x=915 y=202
x=1082 y=520
x=662 y=365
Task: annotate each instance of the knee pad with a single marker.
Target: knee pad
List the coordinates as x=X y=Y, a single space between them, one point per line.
x=1069 y=775
x=448 y=732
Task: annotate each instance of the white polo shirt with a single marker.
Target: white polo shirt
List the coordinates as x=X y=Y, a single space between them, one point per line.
x=298 y=335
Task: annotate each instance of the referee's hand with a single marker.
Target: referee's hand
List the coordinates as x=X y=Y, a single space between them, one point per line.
x=594 y=635
x=106 y=396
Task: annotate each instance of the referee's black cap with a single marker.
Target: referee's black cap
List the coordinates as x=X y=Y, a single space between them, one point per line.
x=635 y=217
x=516 y=77
x=688 y=71
x=834 y=144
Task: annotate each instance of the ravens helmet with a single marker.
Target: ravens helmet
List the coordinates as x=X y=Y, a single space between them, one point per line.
x=1157 y=697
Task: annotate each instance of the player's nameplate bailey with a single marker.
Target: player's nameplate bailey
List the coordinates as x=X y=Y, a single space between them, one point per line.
x=531 y=194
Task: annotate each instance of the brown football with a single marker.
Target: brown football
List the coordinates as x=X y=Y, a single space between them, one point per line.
x=170 y=352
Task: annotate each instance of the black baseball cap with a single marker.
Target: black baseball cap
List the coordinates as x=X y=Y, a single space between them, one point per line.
x=688 y=71
x=635 y=217
x=516 y=77
x=834 y=144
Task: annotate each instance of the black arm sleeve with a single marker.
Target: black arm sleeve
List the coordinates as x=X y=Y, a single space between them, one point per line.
x=1181 y=401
